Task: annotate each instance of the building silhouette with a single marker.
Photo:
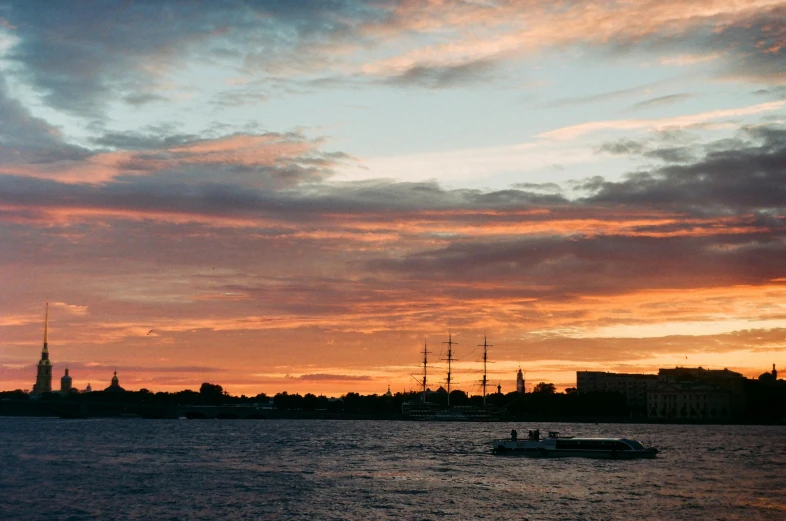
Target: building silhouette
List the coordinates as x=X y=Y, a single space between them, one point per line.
x=633 y=386
x=114 y=387
x=520 y=388
x=65 y=383
x=696 y=392
x=43 y=380
x=682 y=393
x=689 y=399
x=769 y=378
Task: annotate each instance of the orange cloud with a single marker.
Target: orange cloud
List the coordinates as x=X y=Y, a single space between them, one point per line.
x=475 y=31
x=243 y=149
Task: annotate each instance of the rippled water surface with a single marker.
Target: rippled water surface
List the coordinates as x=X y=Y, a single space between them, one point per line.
x=106 y=469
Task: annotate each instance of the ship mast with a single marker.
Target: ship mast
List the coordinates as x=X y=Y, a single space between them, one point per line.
x=425 y=367
x=485 y=347
x=450 y=343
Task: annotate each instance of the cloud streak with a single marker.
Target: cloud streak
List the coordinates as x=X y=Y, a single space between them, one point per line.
x=82 y=58
x=574 y=131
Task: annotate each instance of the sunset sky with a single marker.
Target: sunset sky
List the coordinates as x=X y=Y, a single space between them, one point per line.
x=297 y=195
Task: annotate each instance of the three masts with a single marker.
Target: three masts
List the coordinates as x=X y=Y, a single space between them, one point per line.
x=449 y=359
x=425 y=410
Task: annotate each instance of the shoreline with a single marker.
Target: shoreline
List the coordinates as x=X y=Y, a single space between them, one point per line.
x=324 y=416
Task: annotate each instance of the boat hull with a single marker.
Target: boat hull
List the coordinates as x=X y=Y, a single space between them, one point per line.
x=595 y=454
x=433 y=412
x=546 y=450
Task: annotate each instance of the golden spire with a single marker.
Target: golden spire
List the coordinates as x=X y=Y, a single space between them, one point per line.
x=46 y=324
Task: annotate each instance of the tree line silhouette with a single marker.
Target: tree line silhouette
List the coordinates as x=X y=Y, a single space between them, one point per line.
x=544 y=403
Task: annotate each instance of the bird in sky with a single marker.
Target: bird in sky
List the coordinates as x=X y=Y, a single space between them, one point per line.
x=149 y=332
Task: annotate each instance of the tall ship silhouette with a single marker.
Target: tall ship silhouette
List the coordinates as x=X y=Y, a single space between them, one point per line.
x=426 y=410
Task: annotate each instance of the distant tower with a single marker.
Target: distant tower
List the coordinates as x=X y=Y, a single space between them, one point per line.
x=89 y=388
x=65 y=383
x=520 y=382
x=774 y=373
x=499 y=388
x=43 y=380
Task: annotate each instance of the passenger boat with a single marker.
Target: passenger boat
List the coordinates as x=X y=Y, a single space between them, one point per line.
x=555 y=445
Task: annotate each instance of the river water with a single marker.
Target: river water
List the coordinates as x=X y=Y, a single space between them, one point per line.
x=107 y=469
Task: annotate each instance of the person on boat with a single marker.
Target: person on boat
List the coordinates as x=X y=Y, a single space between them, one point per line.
x=513 y=434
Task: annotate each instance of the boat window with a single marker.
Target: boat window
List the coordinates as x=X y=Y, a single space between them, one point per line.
x=605 y=445
x=585 y=444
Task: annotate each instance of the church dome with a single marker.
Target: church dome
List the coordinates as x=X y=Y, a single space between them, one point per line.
x=769 y=377
x=115 y=386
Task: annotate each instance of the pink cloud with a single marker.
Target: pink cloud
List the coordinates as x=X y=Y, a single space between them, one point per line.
x=267 y=150
x=477 y=31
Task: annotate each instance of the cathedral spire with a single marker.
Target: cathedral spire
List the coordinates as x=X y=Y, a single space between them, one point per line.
x=46 y=324
x=43 y=381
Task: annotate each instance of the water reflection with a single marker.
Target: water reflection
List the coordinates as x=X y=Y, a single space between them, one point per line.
x=289 y=469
